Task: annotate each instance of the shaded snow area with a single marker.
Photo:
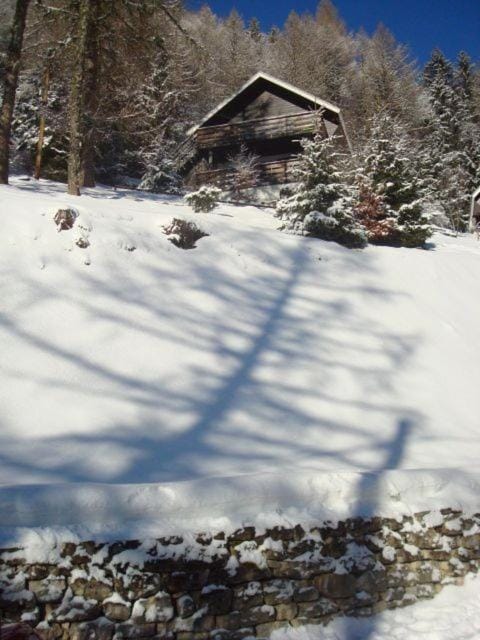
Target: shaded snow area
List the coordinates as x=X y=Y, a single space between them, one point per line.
x=451 y=615
x=259 y=373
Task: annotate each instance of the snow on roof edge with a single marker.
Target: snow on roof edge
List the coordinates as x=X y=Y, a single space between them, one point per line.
x=280 y=83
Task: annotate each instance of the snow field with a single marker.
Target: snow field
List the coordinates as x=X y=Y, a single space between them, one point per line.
x=249 y=376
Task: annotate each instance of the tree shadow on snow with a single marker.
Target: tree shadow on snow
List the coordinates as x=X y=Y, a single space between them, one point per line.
x=262 y=393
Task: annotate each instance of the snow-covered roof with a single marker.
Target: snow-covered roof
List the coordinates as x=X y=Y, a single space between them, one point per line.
x=279 y=83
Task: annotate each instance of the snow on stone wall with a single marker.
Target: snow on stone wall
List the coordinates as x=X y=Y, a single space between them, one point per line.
x=247 y=584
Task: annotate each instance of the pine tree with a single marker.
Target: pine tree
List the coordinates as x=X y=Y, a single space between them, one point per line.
x=321 y=205
x=387 y=164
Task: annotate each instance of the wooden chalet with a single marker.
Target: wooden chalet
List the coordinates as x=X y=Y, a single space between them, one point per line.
x=268 y=118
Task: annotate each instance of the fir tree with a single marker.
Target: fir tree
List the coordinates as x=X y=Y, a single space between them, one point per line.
x=321 y=204
x=388 y=165
x=452 y=141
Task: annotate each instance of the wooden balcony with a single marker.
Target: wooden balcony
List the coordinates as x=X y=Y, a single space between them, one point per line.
x=223 y=135
x=276 y=172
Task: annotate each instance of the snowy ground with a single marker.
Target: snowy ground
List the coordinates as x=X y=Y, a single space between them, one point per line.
x=452 y=615
x=256 y=353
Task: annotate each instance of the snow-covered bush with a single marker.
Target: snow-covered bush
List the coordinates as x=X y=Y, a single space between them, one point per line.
x=161 y=178
x=204 y=200
x=320 y=205
x=244 y=172
x=183 y=233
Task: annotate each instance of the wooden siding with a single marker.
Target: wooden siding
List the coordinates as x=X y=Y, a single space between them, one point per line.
x=276 y=172
x=265 y=128
x=266 y=105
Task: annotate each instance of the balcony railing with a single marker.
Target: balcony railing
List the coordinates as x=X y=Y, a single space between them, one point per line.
x=276 y=172
x=265 y=128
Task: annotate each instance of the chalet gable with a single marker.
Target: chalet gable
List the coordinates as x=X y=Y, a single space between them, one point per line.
x=264 y=96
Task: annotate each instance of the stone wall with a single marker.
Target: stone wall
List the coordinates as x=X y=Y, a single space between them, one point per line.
x=245 y=584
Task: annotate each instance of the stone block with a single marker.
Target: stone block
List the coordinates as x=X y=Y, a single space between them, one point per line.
x=200 y=621
x=100 y=629
x=185 y=606
x=131 y=631
x=305 y=594
x=218 y=600
x=48 y=589
x=317 y=609
x=117 y=611
x=246 y=618
x=247 y=596
x=278 y=591
x=157 y=608
x=138 y=585
x=286 y=611
x=336 y=585
x=181 y=581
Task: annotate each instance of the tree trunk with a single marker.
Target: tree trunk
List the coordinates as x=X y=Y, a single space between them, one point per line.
x=42 y=123
x=77 y=115
x=91 y=76
x=14 y=55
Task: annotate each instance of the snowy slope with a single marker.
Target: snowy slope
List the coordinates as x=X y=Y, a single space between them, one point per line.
x=255 y=353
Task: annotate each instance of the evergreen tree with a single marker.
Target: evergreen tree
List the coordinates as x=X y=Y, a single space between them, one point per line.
x=321 y=205
x=453 y=137
x=389 y=167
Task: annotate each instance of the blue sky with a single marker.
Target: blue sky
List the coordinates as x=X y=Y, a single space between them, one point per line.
x=451 y=25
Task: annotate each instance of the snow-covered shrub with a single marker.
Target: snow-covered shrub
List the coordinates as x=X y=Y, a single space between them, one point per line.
x=320 y=205
x=204 y=200
x=183 y=233
x=244 y=172
x=161 y=178
x=336 y=225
